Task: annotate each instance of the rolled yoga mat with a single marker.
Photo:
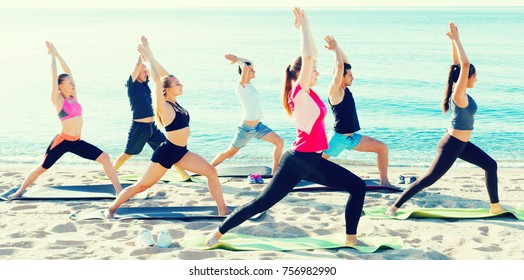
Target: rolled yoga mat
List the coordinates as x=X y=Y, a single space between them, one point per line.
x=242 y=242
x=92 y=192
x=450 y=213
x=150 y=213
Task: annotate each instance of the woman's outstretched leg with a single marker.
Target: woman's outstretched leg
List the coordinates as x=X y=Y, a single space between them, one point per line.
x=195 y=163
x=154 y=172
x=333 y=175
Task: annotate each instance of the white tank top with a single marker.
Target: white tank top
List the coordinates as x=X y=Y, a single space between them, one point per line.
x=250 y=100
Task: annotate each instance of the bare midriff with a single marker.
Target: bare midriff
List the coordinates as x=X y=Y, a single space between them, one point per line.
x=462 y=135
x=178 y=137
x=72 y=126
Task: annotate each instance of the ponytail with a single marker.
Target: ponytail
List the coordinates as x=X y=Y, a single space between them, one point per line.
x=290 y=75
x=454 y=72
x=287 y=88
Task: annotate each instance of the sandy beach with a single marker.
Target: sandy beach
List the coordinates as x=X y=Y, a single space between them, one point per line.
x=42 y=230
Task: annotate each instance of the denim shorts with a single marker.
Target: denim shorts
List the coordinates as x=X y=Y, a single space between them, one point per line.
x=339 y=142
x=246 y=133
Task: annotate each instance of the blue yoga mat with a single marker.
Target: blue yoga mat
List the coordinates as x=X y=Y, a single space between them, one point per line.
x=371 y=185
x=78 y=192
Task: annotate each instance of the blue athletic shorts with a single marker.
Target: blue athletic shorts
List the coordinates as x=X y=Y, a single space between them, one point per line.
x=246 y=133
x=142 y=133
x=339 y=142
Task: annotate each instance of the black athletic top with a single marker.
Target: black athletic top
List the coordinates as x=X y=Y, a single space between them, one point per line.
x=139 y=98
x=181 y=119
x=346 y=119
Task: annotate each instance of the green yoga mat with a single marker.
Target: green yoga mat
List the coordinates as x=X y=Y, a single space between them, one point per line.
x=241 y=242
x=450 y=213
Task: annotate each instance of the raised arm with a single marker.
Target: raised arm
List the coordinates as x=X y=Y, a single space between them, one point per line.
x=64 y=65
x=136 y=71
x=243 y=66
x=161 y=70
x=344 y=58
x=335 y=93
x=308 y=49
x=454 y=55
x=159 y=92
x=55 y=94
x=459 y=91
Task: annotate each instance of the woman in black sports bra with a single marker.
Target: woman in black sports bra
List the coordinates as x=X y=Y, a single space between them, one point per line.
x=175 y=120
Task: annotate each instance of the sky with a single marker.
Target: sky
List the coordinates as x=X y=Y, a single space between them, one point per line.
x=254 y=3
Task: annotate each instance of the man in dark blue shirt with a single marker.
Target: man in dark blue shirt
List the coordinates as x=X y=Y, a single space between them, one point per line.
x=143 y=128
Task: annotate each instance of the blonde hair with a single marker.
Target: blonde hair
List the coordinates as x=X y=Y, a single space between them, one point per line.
x=166 y=83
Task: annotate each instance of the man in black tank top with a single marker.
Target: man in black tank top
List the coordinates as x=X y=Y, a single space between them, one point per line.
x=344 y=136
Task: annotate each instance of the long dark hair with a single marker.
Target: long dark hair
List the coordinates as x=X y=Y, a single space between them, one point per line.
x=454 y=72
x=291 y=75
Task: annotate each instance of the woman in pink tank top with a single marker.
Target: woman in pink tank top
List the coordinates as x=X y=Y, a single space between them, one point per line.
x=304 y=160
x=69 y=110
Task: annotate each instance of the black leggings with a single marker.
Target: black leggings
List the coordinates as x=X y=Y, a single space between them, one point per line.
x=59 y=146
x=294 y=167
x=449 y=149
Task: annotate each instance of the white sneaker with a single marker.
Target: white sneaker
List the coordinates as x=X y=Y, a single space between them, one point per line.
x=164 y=239
x=145 y=238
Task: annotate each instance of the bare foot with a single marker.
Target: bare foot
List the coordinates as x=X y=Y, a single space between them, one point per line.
x=351 y=240
x=224 y=212
x=495 y=208
x=13 y=196
x=386 y=183
x=391 y=211
x=212 y=238
x=109 y=214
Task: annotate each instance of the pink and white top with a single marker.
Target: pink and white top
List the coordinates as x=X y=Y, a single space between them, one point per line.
x=308 y=113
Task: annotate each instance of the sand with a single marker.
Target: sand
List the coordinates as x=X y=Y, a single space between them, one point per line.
x=42 y=230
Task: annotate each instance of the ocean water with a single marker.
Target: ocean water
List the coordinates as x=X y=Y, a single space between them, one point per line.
x=400 y=59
